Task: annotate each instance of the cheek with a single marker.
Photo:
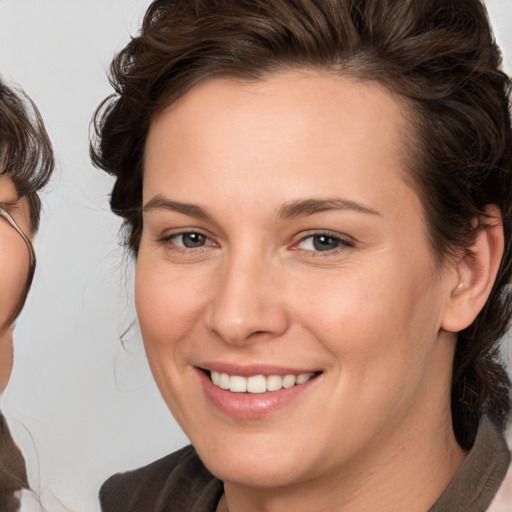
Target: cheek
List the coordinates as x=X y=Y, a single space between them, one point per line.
x=168 y=304
x=169 y=309
x=389 y=294
x=14 y=266
x=379 y=328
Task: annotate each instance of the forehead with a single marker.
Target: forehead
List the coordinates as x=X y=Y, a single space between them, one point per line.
x=293 y=131
x=296 y=94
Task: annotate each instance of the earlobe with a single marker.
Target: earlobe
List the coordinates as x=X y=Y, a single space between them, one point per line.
x=476 y=272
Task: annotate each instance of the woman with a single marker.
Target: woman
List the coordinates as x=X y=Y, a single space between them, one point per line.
x=26 y=162
x=318 y=197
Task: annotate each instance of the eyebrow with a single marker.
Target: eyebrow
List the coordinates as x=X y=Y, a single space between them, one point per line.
x=310 y=206
x=289 y=210
x=158 y=202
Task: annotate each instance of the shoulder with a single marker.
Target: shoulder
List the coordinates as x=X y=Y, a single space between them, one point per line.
x=176 y=482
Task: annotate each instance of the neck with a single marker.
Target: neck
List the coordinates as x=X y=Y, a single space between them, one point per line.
x=406 y=472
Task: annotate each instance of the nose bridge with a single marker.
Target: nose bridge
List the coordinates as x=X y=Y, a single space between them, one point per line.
x=247 y=300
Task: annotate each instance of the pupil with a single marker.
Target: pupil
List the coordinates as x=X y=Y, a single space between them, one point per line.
x=193 y=240
x=324 y=243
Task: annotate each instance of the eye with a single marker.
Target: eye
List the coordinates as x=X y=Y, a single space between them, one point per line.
x=322 y=242
x=189 y=240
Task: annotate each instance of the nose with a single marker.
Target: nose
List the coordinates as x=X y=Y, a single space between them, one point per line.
x=248 y=303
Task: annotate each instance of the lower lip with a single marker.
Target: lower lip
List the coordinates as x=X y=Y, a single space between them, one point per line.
x=251 y=405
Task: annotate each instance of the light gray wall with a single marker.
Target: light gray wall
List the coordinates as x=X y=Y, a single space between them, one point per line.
x=82 y=407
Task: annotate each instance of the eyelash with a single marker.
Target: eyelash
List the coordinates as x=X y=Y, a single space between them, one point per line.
x=170 y=240
x=340 y=242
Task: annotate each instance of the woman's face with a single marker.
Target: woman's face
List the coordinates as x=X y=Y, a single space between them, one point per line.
x=14 y=268
x=282 y=244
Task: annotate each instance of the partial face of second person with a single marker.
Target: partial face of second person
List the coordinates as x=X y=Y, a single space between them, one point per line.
x=14 y=263
x=282 y=243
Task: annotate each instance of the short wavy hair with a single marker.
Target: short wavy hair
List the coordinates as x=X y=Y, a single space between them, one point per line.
x=26 y=154
x=438 y=55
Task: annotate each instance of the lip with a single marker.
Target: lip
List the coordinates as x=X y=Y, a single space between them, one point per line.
x=252 y=405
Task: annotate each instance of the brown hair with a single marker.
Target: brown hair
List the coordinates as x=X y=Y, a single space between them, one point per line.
x=438 y=55
x=26 y=154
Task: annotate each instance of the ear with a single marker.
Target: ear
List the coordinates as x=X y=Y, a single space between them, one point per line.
x=475 y=273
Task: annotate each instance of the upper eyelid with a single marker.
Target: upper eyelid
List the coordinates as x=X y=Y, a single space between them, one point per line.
x=184 y=231
x=326 y=232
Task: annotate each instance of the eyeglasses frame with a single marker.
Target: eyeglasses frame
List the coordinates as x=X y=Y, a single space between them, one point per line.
x=32 y=267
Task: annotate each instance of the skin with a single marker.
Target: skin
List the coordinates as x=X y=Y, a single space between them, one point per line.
x=375 y=315
x=15 y=261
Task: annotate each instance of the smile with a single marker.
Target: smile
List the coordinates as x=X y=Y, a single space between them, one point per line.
x=257 y=383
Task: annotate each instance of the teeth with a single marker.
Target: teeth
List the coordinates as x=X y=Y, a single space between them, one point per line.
x=239 y=384
x=274 y=383
x=289 y=381
x=224 y=381
x=258 y=383
x=303 y=377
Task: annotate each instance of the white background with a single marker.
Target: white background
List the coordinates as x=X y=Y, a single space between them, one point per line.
x=80 y=405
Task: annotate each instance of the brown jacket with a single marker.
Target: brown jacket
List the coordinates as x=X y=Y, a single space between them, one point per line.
x=13 y=474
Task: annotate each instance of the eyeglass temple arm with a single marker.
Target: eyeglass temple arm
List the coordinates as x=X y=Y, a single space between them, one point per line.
x=13 y=223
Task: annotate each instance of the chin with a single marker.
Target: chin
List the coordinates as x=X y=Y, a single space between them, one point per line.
x=257 y=463
x=254 y=474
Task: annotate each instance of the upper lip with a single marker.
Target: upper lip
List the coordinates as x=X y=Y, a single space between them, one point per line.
x=244 y=370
